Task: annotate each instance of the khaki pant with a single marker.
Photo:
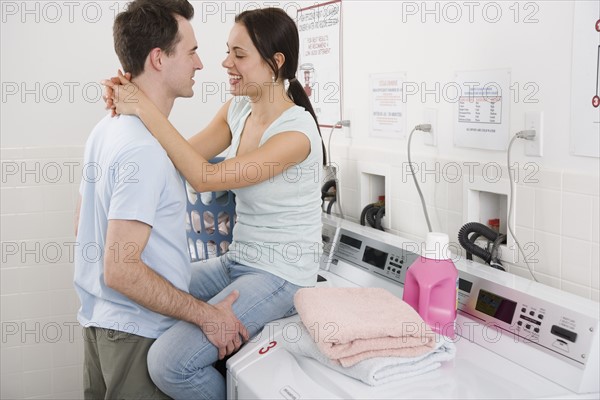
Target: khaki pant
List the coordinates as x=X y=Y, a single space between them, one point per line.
x=115 y=366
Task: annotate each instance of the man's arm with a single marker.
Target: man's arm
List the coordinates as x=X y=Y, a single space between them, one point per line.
x=125 y=272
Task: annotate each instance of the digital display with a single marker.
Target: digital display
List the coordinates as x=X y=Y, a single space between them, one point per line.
x=375 y=257
x=496 y=306
x=465 y=285
x=351 y=241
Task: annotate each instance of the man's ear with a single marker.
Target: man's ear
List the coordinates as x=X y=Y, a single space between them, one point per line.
x=155 y=58
x=279 y=59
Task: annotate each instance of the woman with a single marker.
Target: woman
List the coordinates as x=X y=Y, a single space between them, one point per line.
x=274 y=167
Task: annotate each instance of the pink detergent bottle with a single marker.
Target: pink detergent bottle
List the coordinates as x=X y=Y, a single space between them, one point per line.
x=431 y=284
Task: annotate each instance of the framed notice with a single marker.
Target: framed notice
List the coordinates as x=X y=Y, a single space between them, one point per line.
x=387 y=105
x=482 y=114
x=319 y=67
x=585 y=87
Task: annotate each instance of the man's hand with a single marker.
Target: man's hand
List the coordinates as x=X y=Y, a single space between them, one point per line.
x=223 y=328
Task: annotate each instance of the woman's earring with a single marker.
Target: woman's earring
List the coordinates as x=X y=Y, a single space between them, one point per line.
x=273 y=80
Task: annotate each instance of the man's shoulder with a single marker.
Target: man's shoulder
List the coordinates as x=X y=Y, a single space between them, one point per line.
x=127 y=125
x=124 y=132
x=123 y=140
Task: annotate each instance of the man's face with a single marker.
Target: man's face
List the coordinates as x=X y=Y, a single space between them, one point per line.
x=181 y=66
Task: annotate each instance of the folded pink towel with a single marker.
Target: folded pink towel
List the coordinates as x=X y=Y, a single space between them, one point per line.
x=353 y=324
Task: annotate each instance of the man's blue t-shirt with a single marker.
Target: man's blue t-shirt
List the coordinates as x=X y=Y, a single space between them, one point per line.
x=127 y=175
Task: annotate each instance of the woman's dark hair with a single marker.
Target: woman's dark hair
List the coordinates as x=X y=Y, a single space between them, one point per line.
x=272 y=31
x=145 y=25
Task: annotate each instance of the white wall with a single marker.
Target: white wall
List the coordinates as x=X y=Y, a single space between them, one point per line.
x=430 y=52
x=53 y=54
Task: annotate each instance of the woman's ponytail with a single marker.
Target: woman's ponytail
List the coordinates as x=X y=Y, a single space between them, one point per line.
x=298 y=95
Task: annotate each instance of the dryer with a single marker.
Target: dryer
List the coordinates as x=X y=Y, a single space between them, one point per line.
x=545 y=346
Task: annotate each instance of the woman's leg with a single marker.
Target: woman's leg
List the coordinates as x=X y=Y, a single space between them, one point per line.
x=209 y=277
x=181 y=360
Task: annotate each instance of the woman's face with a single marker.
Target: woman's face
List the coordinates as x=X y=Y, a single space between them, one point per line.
x=249 y=74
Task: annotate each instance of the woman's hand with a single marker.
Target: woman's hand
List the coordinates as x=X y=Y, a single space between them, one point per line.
x=109 y=92
x=122 y=96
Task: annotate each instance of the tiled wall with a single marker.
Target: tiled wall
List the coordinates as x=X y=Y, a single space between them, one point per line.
x=556 y=212
x=41 y=344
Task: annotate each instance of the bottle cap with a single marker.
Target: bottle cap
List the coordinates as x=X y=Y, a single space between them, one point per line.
x=436 y=246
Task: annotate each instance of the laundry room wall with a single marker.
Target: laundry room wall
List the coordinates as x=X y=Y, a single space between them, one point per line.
x=53 y=55
x=556 y=212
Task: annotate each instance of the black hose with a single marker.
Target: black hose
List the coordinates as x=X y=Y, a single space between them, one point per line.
x=364 y=213
x=488 y=233
x=370 y=216
x=328 y=195
x=330 y=206
x=472 y=239
x=495 y=262
x=325 y=189
x=378 y=217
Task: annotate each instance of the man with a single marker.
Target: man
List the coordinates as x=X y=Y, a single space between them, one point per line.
x=132 y=267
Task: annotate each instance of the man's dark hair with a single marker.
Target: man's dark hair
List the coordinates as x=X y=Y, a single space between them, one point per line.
x=145 y=25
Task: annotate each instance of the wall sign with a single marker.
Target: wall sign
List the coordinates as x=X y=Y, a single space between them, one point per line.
x=387 y=108
x=319 y=70
x=585 y=85
x=482 y=113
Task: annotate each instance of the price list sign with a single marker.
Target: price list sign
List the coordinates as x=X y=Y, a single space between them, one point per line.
x=482 y=109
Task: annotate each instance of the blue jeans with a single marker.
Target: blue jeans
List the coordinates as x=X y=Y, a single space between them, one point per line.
x=180 y=361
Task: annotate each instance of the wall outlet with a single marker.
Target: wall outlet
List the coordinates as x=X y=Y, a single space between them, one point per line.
x=534 y=120
x=430 y=117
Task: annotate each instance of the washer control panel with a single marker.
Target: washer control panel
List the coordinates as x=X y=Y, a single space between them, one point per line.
x=374 y=256
x=560 y=331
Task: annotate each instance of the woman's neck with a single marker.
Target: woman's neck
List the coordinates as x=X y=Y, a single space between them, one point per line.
x=272 y=102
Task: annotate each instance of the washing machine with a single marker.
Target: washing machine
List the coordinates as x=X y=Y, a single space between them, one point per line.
x=545 y=346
